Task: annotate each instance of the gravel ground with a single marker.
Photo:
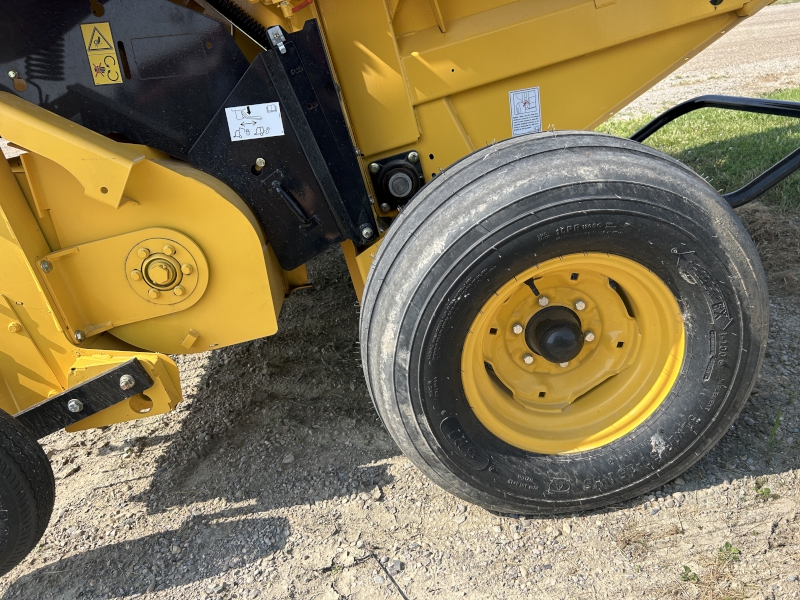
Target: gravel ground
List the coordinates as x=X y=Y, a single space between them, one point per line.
x=276 y=480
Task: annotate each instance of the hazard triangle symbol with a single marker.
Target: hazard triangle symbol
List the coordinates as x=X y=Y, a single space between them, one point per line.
x=97 y=41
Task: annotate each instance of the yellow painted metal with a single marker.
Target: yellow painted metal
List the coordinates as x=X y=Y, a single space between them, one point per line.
x=359 y=263
x=618 y=380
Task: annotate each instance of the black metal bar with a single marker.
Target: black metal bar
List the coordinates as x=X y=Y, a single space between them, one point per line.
x=86 y=399
x=769 y=178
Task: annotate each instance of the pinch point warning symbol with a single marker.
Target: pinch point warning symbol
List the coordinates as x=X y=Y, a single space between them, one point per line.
x=97 y=41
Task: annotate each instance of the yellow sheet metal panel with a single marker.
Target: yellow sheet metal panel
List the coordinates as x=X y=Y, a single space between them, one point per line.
x=364 y=53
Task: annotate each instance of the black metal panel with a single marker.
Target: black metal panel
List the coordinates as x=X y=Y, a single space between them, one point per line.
x=95 y=394
x=769 y=178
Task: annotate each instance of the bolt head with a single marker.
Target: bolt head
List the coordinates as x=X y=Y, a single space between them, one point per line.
x=260 y=162
x=74 y=406
x=13 y=74
x=413 y=157
x=179 y=290
x=14 y=327
x=143 y=252
x=580 y=305
x=517 y=328
x=367 y=233
x=528 y=359
x=187 y=269
x=563 y=365
x=543 y=301
x=136 y=275
x=588 y=336
x=385 y=207
x=169 y=250
x=46 y=266
x=126 y=382
x=79 y=336
x=153 y=293
x=374 y=168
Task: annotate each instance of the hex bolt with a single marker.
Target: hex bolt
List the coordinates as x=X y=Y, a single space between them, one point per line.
x=527 y=359
x=143 y=252
x=260 y=163
x=179 y=290
x=79 y=336
x=46 y=266
x=385 y=207
x=126 y=382
x=15 y=327
x=588 y=336
x=580 y=305
x=374 y=168
x=413 y=157
x=543 y=301
x=169 y=250
x=563 y=365
x=517 y=328
x=366 y=232
x=153 y=293
x=187 y=269
x=13 y=74
x=136 y=275
x=75 y=405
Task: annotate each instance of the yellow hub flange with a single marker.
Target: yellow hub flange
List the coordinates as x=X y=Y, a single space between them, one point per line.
x=632 y=353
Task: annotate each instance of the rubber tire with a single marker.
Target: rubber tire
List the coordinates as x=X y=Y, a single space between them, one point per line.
x=498 y=212
x=27 y=492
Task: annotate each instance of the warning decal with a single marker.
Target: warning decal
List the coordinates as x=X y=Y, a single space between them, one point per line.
x=103 y=61
x=254 y=121
x=526 y=112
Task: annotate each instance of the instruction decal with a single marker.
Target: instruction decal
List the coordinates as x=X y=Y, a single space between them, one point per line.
x=526 y=111
x=254 y=121
x=103 y=60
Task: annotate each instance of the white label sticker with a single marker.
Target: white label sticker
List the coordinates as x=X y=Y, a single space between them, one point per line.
x=254 y=121
x=526 y=112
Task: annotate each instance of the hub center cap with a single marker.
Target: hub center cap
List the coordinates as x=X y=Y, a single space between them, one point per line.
x=555 y=333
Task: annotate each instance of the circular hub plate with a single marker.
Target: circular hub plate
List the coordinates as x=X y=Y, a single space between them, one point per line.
x=617 y=380
x=162 y=271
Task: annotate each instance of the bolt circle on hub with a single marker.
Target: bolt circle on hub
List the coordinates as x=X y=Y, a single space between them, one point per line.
x=167 y=276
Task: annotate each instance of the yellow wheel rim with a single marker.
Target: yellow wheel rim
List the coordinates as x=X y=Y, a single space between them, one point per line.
x=616 y=382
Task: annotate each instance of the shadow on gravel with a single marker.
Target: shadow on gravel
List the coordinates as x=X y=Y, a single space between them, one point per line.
x=154 y=563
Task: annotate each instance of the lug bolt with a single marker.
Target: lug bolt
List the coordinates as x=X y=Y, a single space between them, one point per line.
x=169 y=250
x=413 y=157
x=385 y=207
x=79 y=336
x=13 y=74
x=75 y=405
x=143 y=252
x=187 y=269
x=588 y=336
x=46 y=266
x=543 y=301
x=527 y=359
x=517 y=328
x=563 y=365
x=179 y=290
x=136 y=275
x=374 y=168
x=126 y=382
x=580 y=305
x=366 y=232
x=153 y=293
x=14 y=327
x=260 y=163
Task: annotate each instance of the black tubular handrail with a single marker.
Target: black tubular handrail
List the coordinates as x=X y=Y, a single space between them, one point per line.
x=769 y=178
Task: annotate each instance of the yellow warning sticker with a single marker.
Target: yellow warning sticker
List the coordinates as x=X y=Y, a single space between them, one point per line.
x=99 y=44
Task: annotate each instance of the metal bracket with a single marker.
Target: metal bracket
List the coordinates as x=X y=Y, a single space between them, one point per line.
x=769 y=178
x=277 y=38
x=86 y=399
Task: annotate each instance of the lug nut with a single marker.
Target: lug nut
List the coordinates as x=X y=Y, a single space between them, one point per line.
x=385 y=207
x=179 y=290
x=543 y=301
x=563 y=365
x=413 y=157
x=169 y=250
x=517 y=328
x=14 y=327
x=528 y=359
x=13 y=74
x=187 y=269
x=366 y=232
x=75 y=405
x=580 y=305
x=153 y=293
x=79 y=336
x=46 y=266
x=588 y=336
x=374 y=168
x=143 y=252
x=136 y=275
x=126 y=382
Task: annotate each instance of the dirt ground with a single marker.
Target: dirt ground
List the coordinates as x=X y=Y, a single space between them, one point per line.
x=275 y=479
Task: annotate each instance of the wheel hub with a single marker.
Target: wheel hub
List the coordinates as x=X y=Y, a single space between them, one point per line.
x=555 y=334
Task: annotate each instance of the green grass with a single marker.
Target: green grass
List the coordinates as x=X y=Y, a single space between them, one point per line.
x=728 y=148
